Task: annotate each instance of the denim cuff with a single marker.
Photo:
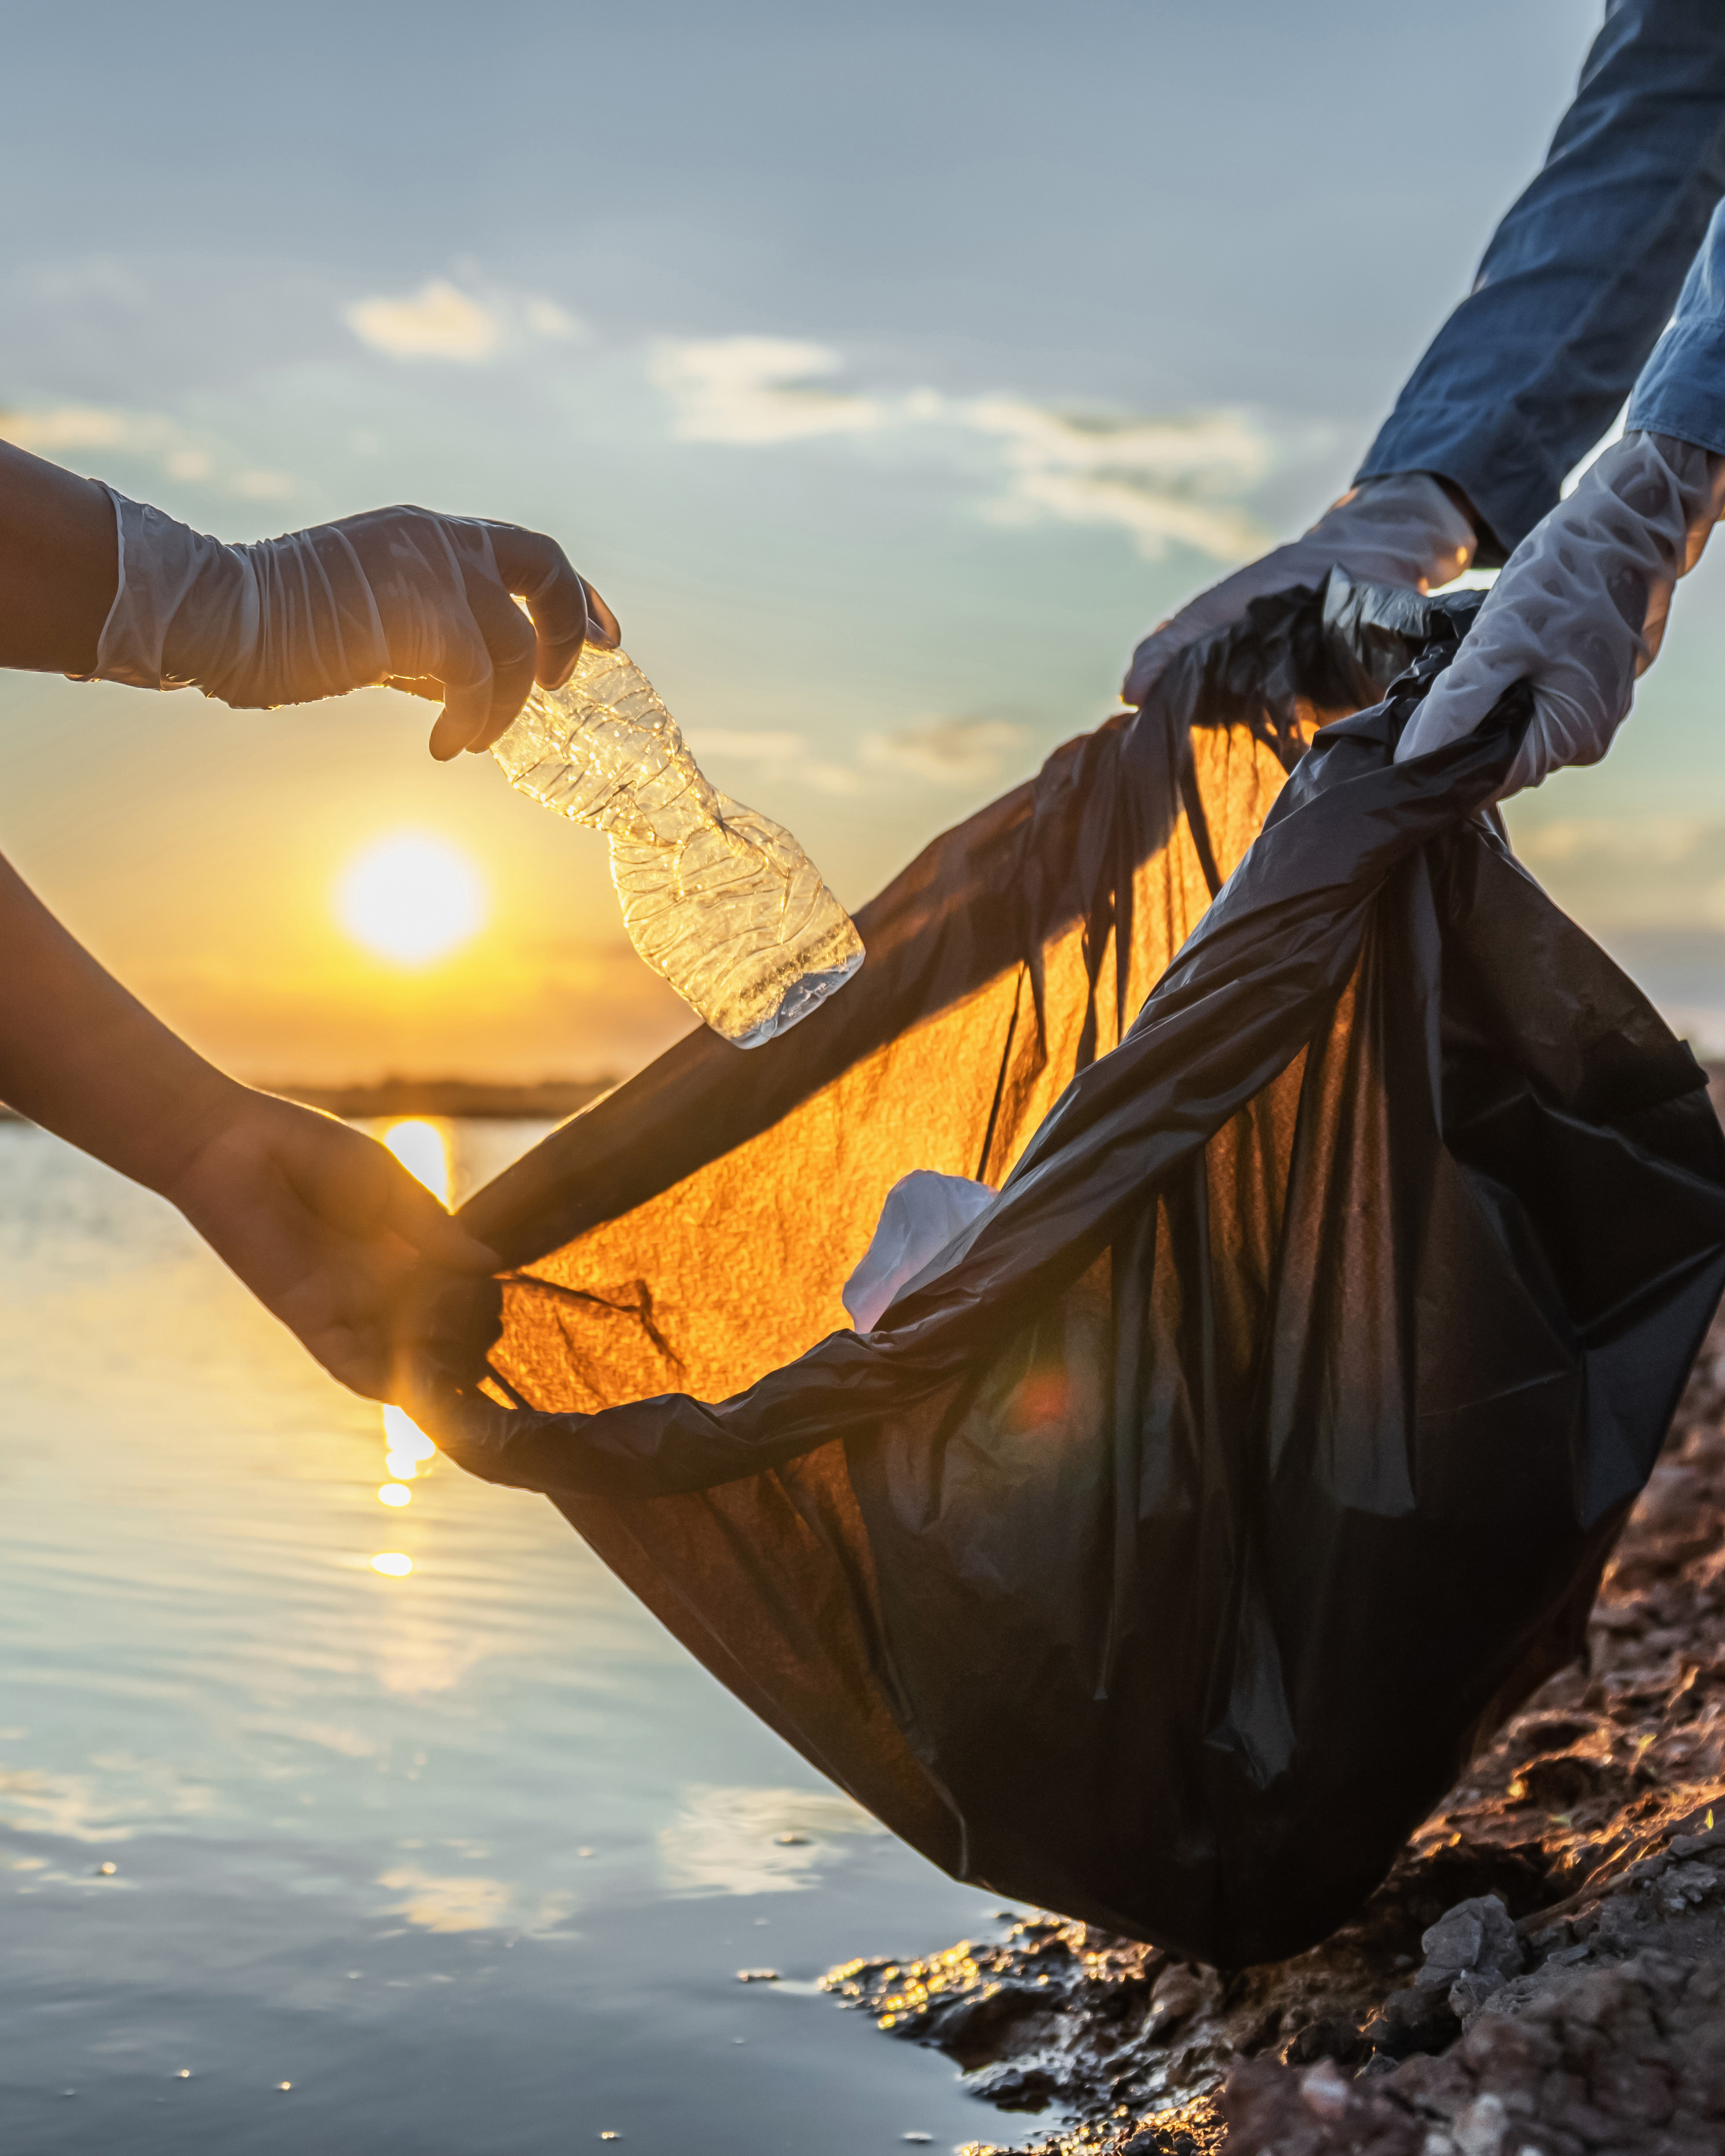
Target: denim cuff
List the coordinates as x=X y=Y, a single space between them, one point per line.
x=1681 y=388
x=1499 y=462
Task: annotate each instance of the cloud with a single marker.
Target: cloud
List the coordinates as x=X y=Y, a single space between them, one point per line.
x=441 y=322
x=756 y=390
x=183 y=453
x=74 y=427
x=772 y=756
x=436 y=322
x=1165 y=482
x=958 y=752
x=546 y=319
x=777 y=750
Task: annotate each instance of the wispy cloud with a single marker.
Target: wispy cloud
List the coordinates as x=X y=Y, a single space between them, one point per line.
x=957 y=752
x=1164 y=482
x=183 y=453
x=774 y=751
x=442 y=321
x=754 y=390
x=774 y=756
x=960 y=753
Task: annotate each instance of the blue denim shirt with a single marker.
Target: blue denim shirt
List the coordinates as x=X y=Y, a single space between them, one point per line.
x=1579 y=282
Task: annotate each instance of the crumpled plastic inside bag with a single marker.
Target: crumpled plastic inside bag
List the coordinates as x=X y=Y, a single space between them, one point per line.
x=923 y=1212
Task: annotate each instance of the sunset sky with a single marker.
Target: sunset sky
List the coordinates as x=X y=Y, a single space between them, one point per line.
x=888 y=369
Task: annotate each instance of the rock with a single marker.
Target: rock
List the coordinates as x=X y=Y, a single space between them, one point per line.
x=1471 y=1990
x=1175 y=1994
x=1017 y=2088
x=1327 y=2040
x=1482 y=2128
x=1413 y=2020
x=1323 y=2091
x=1476 y=1939
x=1685 y=1886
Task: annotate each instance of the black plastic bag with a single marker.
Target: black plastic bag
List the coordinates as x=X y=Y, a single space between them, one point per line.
x=1163 y=1554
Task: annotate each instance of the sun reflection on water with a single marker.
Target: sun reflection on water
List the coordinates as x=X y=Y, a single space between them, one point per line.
x=405 y=1448
x=423 y=1149
x=422 y=1145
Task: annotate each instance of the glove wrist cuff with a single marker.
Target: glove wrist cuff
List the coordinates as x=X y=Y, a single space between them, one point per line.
x=161 y=563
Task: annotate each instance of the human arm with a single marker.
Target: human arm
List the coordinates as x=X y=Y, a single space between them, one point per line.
x=60 y=564
x=101 y=587
x=1527 y=372
x=1580 y=609
x=1578 y=279
x=322 y=1224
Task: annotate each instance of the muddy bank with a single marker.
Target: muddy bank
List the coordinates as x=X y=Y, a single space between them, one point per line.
x=1544 y=1970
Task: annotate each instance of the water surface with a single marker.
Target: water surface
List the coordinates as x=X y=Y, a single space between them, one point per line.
x=296 y=1855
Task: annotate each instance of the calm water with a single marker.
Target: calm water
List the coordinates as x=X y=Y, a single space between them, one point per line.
x=468 y=1858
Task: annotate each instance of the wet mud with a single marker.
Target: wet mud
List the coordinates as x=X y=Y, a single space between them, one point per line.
x=1544 y=1970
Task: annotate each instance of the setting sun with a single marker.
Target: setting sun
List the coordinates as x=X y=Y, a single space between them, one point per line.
x=412 y=898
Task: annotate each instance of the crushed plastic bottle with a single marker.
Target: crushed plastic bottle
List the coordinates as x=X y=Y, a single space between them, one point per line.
x=722 y=902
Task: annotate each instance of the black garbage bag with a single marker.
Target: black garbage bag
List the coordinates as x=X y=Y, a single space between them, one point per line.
x=1164 y=1552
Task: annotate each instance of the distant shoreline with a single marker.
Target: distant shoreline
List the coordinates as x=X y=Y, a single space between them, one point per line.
x=550 y=1100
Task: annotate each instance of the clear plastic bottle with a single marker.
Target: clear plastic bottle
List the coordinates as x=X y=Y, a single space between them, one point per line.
x=722 y=902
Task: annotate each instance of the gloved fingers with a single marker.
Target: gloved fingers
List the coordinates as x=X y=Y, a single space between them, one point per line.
x=1401 y=529
x=490 y=671
x=603 y=628
x=1447 y=714
x=465 y=716
x=560 y=604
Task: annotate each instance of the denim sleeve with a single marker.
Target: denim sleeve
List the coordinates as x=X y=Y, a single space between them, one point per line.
x=1681 y=388
x=1580 y=277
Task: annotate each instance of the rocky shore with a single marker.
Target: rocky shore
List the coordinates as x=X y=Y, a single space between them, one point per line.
x=1542 y=1975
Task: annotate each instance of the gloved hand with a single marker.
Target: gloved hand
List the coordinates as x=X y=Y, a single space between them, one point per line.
x=1580 y=608
x=1403 y=529
x=397 y=595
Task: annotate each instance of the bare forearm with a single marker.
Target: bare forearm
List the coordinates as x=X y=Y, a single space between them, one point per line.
x=83 y=1059
x=58 y=565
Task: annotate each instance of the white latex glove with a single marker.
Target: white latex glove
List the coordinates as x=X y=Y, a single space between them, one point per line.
x=1580 y=608
x=397 y=595
x=1403 y=529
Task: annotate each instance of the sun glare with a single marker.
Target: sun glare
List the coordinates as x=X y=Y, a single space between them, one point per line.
x=411 y=898
x=406 y=1447
x=420 y=1147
